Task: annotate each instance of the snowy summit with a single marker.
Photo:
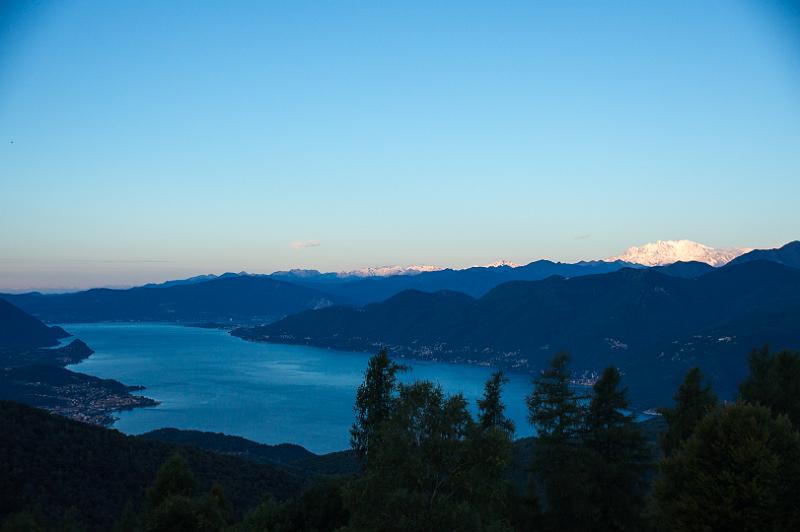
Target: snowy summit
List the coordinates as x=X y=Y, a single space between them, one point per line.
x=663 y=252
x=499 y=263
x=385 y=271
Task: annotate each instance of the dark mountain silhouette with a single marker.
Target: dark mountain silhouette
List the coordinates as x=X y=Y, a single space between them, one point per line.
x=788 y=255
x=189 y=280
x=635 y=319
x=474 y=281
x=688 y=269
x=242 y=297
x=234 y=298
x=284 y=453
x=19 y=330
x=247 y=298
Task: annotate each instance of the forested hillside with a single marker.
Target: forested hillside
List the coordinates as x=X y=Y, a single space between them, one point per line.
x=53 y=464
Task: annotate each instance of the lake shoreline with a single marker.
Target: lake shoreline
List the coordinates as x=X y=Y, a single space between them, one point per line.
x=206 y=379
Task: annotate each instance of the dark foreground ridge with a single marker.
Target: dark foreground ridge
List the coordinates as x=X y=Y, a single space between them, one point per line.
x=55 y=464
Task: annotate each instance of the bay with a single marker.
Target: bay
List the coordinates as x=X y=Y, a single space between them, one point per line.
x=206 y=379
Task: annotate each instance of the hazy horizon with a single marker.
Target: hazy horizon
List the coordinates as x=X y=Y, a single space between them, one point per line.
x=87 y=278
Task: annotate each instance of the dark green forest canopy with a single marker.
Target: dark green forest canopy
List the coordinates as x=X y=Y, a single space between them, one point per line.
x=52 y=463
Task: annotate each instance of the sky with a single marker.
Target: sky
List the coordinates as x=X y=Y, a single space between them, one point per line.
x=146 y=140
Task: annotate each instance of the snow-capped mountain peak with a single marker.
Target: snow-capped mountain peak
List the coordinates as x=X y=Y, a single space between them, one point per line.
x=502 y=262
x=663 y=252
x=384 y=271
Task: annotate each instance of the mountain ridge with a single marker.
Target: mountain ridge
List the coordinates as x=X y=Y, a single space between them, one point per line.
x=625 y=318
x=231 y=298
x=788 y=255
x=20 y=330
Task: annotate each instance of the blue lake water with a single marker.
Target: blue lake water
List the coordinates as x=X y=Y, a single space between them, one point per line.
x=209 y=380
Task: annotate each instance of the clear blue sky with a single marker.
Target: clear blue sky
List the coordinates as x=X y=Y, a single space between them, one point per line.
x=146 y=140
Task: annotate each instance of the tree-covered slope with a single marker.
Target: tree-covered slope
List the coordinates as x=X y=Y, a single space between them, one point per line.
x=54 y=464
x=284 y=453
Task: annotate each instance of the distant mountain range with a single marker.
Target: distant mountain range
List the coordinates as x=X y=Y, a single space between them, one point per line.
x=242 y=298
x=654 y=323
x=474 y=281
x=237 y=298
x=246 y=298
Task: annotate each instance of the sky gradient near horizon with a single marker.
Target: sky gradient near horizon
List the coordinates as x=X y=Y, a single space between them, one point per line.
x=144 y=141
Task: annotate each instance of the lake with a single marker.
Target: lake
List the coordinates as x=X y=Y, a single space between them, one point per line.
x=209 y=380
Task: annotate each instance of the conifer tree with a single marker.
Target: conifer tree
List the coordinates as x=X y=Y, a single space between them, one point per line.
x=491 y=410
x=693 y=401
x=739 y=470
x=559 y=461
x=620 y=457
x=553 y=407
x=774 y=382
x=373 y=402
x=491 y=444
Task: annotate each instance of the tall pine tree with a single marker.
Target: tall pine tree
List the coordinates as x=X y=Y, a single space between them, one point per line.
x=491 y=410
x=774 y=382
x=491 y=446
x=553 y=407
x=374 y=402
x=620 y=457
x=559 y=461
x=693 y=401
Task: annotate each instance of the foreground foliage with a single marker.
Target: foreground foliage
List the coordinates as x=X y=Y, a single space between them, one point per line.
x=51 y=467
x=740 y=470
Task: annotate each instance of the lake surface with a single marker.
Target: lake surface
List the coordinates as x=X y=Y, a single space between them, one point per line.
x=209 y=380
